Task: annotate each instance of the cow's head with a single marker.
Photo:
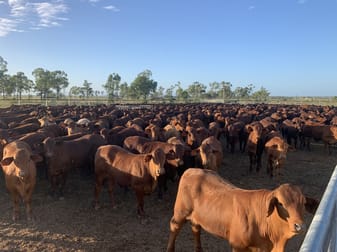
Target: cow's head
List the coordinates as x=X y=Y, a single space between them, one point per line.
x=21 y=160
x=286 y=205
x=156 y=161
x=175 y=155
x=208 y=156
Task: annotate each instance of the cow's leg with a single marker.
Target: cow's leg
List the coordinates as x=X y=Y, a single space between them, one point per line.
x=16 y=209
x=63 y=177
x=196 y=233
x=28 y=201
x=161 y=185
x=175 y=226
x=111 y=184
x=258 y=158
x=140 y=202
x=98 y=187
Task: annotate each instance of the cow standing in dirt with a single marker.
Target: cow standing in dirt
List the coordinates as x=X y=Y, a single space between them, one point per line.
x=119 y=166
x=18 y=165
x=251 y=220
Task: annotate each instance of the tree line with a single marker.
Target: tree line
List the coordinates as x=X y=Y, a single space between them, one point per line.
x=49 y=84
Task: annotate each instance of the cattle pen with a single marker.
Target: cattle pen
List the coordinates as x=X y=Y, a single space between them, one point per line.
x=322 y=234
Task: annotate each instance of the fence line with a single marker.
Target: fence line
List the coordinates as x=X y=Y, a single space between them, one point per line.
x=322 y=233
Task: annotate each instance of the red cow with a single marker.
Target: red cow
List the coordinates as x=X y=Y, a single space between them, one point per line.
x=251 y=220
x=118 y=166
x=18 y=165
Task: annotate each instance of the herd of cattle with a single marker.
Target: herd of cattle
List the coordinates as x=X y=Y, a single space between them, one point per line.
x=143 y=148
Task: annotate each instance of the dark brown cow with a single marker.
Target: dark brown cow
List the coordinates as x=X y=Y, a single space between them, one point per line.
x=251 y=220
x=18 y=165
x=62 y=156
x=118 y=166
x=255 y=145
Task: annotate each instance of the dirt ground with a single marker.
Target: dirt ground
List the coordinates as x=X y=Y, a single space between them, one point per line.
x=73 y=225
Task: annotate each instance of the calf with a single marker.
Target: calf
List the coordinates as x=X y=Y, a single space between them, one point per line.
x=251 y=220
x=118 y=166
x=276 y=150
x=18 y=165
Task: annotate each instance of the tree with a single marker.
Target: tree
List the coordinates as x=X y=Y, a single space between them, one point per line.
x=226 y=90
x=112 y=85
x=42 y=82
x=21 y=83
x=124 y=90
x=46 y=80
x=59 y=80
x=261 y=95
x=88 y=91
x=196 y=90
x=243 y=92
x=143 y=85
x=3 y=76
x=214 y=89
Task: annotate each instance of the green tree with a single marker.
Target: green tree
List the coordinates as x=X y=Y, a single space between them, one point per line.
x=59 y=81
x=42 y=82
x=124 y=90
x=196 y=90
x=214 y=88
x=3 y=76
x=46 y=80
x=261 y=95
x=21 y=83
x=143 y=85
x=243 y=92
x=112 y=85
x=226 y=92
x=88 y=91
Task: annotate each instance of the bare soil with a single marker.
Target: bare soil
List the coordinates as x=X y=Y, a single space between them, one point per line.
x=73 y=225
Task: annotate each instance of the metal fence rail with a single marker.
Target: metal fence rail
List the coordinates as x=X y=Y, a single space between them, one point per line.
x=322 y=233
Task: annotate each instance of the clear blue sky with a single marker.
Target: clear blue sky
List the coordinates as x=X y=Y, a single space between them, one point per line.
x=287 y=46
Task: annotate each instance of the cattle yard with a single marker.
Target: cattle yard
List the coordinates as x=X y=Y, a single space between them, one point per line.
x=73 y=224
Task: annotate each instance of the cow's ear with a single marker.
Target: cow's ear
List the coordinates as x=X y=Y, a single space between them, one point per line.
x=311 y=205
x=7 y=161
x=148 y=157
x=271 y=205
x=36 y=158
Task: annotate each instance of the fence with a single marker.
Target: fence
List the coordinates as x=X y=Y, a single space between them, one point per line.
x=322 y=233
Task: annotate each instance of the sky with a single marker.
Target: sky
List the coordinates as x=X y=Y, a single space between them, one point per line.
x=288 y=47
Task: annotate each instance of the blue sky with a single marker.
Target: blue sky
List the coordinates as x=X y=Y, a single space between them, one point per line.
x=287 y=46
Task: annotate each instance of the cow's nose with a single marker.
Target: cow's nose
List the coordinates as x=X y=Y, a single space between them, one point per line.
x=299 y=227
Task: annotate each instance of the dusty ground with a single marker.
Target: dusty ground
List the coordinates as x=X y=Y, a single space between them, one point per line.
x=73 y=225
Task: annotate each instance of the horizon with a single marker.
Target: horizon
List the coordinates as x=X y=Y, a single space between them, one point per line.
x=288 y=47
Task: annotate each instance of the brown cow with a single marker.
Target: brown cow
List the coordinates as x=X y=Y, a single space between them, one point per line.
x=251 y=220
x=18 y=165
x=118 y=166
x=276 y=150
x=62 y=156
x=211 y=153
x=135 y=144
x=255 y=145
